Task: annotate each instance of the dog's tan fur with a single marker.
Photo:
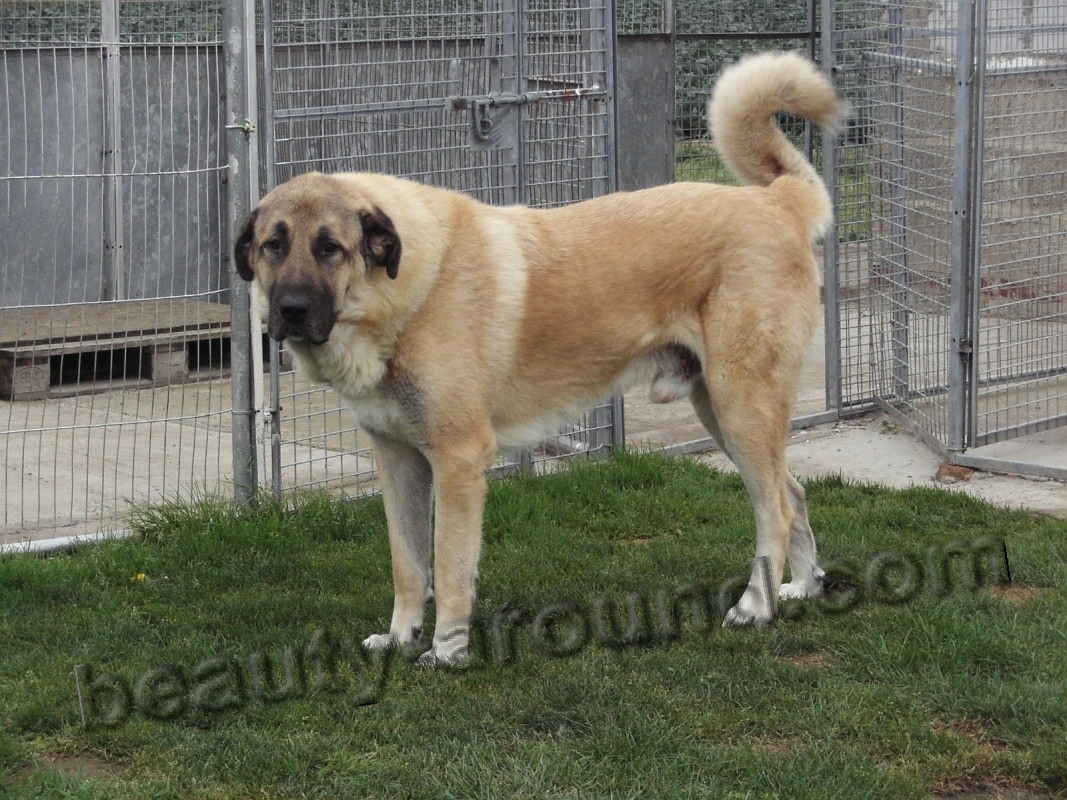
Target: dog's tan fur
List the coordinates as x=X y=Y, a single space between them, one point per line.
x=452 y=329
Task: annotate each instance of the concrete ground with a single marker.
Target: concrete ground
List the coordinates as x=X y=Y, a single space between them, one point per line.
x=873 y=448
x=72 y=467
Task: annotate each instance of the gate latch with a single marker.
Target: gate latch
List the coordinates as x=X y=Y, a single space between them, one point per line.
x=483 y=131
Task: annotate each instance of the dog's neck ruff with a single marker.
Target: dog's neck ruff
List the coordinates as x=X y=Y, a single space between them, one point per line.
x=350 y=364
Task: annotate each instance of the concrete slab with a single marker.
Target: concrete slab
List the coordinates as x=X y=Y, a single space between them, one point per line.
x=876 y=449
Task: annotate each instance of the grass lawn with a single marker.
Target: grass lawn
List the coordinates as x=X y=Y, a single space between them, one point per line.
x=957 y=694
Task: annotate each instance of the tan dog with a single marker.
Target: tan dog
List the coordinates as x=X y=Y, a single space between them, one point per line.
x=452 y=329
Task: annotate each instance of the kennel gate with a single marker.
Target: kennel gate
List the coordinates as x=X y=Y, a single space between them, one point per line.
x=508 y=100
x=950 y=276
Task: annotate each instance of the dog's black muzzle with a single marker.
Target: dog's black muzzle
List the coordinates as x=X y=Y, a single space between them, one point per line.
x=301 y=313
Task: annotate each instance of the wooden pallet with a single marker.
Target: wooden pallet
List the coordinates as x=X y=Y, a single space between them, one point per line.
x=58 y=351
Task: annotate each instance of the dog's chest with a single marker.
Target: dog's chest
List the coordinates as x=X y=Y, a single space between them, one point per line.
x=394 y=408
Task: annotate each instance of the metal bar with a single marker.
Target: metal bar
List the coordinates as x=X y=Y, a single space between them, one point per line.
x=900 y=318
x=898 y=61
x=114 y=235
x=944 y=67
x=760 y=36
x=603 y=43
x=506 y=46
x=960 y=333
x=831 y=272
x=273 y=427
x=497 y=99
x=493 y=99
x=1022 y=429
x=977 y=162
x=812 y=51
x=270 y=114
x=518 y=29
x=40 y=547
x=350 y=109
x=239 y=38
x=512 y=21
x=994 y=464
x=618 y=423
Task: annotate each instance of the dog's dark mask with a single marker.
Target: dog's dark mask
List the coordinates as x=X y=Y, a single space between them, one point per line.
x=302 y=301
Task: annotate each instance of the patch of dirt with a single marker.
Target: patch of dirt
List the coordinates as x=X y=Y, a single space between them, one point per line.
x=992 y=789
x=1019 y=595
x=816 y=659
x=773 y=744
x=75 y=764
x=976 y=730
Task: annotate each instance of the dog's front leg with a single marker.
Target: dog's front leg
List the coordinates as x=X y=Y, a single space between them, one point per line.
x=460 y=484
x=406 y=481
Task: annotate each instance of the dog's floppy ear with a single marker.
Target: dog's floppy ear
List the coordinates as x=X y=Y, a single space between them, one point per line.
x=381 y=244
x=243 y=247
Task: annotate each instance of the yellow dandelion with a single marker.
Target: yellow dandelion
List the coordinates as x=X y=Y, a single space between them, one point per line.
x=138 y=578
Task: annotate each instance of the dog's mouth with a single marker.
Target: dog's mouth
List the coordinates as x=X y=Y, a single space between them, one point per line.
x=282 y=333
x=301 y=317
x=298 y=339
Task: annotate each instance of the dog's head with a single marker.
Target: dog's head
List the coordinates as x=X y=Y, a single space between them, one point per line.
x=310 y=244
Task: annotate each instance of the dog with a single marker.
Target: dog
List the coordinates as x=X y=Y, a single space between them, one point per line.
x=453 y=329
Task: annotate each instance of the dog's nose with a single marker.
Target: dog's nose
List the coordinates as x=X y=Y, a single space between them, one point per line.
x=294 y=307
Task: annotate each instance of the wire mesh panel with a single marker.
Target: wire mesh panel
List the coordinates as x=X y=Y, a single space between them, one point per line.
x=896 y=183
x=506 y=100
x=1021 y=288
x=114 y=323
x=950 y=185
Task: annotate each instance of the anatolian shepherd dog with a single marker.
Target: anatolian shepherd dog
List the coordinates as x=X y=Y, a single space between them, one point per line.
x=453 y=328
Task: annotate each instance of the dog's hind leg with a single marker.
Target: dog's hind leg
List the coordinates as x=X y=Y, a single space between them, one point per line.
x=407 y=491
x=806 y=577
x=803 y=566
x=745 y=402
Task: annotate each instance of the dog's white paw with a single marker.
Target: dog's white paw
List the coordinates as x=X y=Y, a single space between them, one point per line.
x=804 y=588
x=800 y=590
x=751 y=611
x=434 y=658
x=407 y=648
x=738 y=618
x=380 y=641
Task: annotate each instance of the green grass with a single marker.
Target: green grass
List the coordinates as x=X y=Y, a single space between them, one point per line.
x=939 y=694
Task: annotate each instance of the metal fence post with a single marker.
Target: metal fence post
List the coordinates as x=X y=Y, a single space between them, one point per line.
x=981 y=36
x=240 y=41
x=831 y=278
x=900 y=316
x=961 y=340
x=114 y=287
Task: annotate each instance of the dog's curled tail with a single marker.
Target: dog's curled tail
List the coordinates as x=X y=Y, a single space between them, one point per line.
x=740 y=113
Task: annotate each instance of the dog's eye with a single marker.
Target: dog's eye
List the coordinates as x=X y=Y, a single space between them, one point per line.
x=274 y=245
x=329 y=248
